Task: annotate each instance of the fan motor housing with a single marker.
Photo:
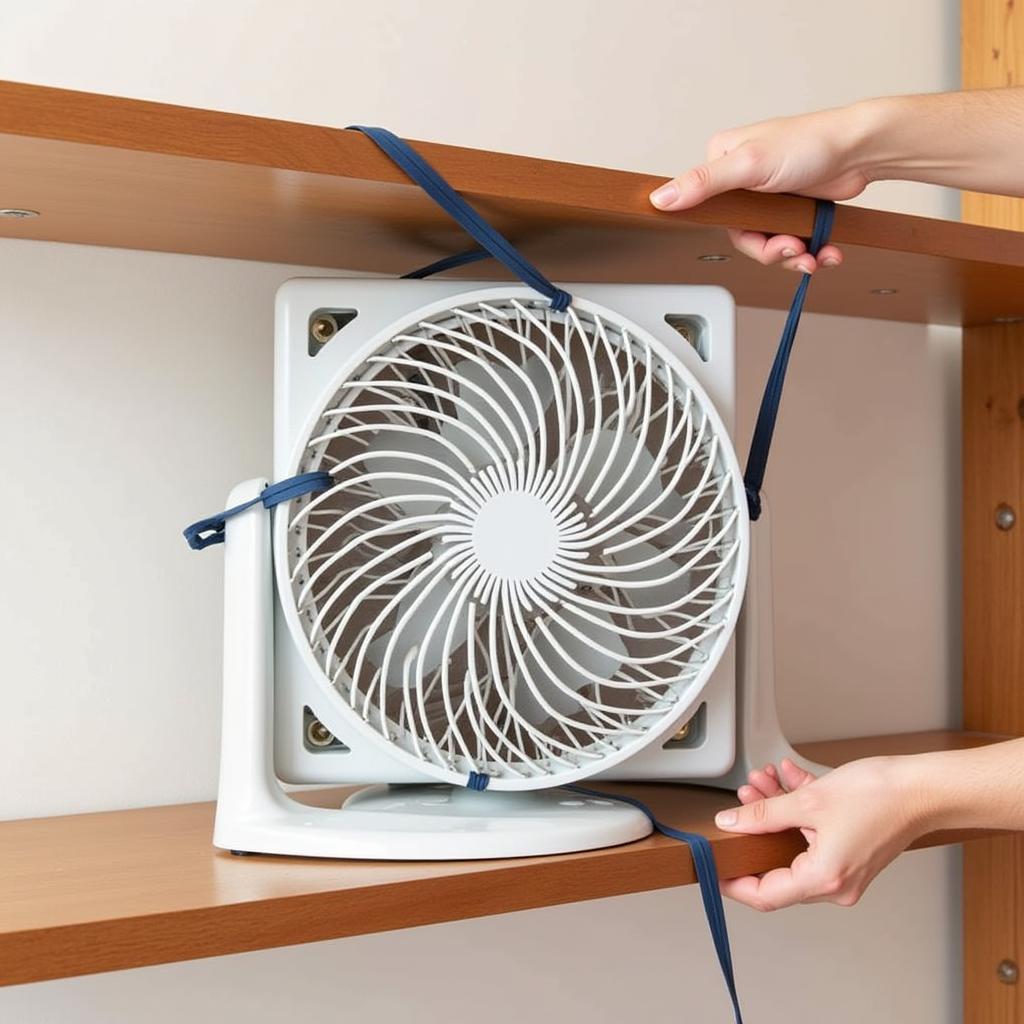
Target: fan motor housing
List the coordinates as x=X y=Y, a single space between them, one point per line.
x=515 y=532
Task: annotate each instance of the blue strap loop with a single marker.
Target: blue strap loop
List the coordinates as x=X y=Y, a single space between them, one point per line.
x=209 y=531
x=477 y=781
x=761 y=442
x=463 y=214
x=707 y=879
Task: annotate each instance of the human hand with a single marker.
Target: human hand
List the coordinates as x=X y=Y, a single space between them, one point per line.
x=821 y=155
x=855 y=819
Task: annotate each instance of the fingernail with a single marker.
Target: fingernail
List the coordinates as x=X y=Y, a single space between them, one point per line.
x=725 y=819
x=806 y=268
x=788 y=252
x=830 y=261
x=666 y=195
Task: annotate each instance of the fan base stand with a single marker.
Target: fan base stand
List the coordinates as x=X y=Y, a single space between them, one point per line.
x=429 y=822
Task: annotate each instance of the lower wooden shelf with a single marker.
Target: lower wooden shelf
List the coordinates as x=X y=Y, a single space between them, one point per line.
x=101 y=892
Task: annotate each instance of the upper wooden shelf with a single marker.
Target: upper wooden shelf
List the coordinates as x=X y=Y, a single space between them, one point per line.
x=109 y=171
x=102 y=892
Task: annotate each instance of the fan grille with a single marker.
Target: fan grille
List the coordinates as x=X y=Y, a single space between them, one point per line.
x=531 y=552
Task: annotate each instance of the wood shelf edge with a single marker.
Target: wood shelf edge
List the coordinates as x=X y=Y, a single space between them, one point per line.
x=113 y=890
x=99 y=170
x=93 y=119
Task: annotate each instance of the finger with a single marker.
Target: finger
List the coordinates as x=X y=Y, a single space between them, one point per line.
x=830 y=256
x=763 y=782
x=767 y=249
x=805 y=264
x=774 y=814
x=749 y=794
x=793 y=776
x=730 y=171
x=773 y=890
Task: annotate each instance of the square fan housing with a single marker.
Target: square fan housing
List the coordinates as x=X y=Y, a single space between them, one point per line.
x=696 y=323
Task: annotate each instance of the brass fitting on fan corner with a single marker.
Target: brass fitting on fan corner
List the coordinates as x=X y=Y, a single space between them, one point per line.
x=323 y=327
x=318 y=734
x=683 y=732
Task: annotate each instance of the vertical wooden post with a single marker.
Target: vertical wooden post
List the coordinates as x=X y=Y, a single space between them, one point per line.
x=993 y=538
x=993 y=620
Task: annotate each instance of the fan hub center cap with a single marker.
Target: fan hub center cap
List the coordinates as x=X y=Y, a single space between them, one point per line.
x=515 y=536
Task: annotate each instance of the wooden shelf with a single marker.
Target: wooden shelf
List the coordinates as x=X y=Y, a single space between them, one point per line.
x=102 y=892
x=107 y=891
x=108 y=171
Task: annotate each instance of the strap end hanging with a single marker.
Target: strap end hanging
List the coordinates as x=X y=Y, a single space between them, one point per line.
x=764 y=428
x=205 y=532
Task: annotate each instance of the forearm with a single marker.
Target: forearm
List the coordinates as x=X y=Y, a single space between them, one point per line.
x=978 y=788
x=970 y=140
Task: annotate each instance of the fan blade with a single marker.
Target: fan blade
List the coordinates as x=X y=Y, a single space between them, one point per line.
x=526 y=395
x=615 y=453
x=584 y=653
x=659 y=594
x=388 y=453
x=411 y=634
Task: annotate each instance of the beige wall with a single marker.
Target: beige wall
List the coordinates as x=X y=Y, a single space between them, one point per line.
x=137 y=389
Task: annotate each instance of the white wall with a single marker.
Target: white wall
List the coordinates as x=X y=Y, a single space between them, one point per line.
x=137 y=389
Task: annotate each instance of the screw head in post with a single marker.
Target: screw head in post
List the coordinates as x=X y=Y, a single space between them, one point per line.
x=1008 y=972
x=1006 y=518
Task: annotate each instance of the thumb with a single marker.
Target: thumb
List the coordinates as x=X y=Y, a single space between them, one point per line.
x=730 y=171
x=775 y=814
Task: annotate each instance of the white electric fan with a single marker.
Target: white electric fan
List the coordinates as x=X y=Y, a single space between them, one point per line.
x=525 y=571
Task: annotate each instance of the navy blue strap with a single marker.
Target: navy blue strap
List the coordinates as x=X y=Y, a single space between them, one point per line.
x=707 y=879
x=463 y=214
x=211 y=530
x=477 y=781
x=761 y=442
x=459 y=259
